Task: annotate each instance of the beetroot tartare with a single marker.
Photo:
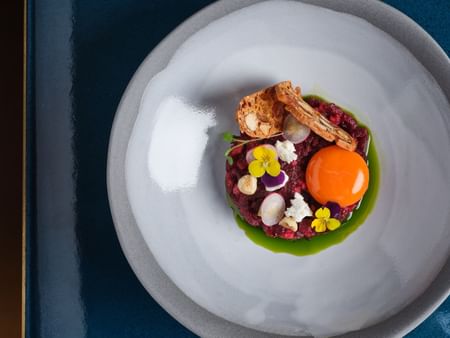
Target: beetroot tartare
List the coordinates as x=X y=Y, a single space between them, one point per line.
x=287 y=184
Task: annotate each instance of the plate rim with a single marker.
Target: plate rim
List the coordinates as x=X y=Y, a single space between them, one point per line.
x=390 y=20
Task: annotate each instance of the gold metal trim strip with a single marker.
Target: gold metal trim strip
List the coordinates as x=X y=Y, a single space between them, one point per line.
x=24 y=165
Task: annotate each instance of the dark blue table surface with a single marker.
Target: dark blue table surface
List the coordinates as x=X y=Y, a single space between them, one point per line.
x=82 y=55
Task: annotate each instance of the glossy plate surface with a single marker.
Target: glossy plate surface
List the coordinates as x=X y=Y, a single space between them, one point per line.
x=174 y=170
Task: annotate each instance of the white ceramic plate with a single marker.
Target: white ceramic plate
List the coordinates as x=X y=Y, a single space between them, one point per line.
x=174 y=171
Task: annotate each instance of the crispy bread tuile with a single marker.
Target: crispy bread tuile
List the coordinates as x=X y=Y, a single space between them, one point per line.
x=310 y=117
x=261 y=115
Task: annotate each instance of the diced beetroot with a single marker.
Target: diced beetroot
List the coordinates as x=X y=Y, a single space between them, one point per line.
x=323 y=107
x=236 y=151
x=306 y=229
x=249 y=205
x=229 y=183
x=348 y=123
x=313 y=102
x=236 y=191
x=287 y=234
x=335 y=118
x=242 y=163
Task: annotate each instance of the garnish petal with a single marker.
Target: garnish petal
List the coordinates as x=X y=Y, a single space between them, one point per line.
x=323 y=213
x=256 y=168
x=273 y=168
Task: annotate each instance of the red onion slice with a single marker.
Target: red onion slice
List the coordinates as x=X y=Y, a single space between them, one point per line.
x=272 y=209
x=294 y=131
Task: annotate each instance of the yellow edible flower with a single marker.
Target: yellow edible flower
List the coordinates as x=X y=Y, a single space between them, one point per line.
x=265 y=161
x=324 y=222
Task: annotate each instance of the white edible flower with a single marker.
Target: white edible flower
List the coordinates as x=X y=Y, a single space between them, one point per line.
x=286 y=151
x=299 y=208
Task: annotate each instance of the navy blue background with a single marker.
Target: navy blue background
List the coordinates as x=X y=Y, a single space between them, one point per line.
x=110 y=39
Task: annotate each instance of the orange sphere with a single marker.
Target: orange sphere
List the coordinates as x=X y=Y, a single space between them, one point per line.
x=337 y=175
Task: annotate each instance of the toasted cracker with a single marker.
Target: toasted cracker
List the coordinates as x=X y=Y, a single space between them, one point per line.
x=310 y=117
x=261 y=114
